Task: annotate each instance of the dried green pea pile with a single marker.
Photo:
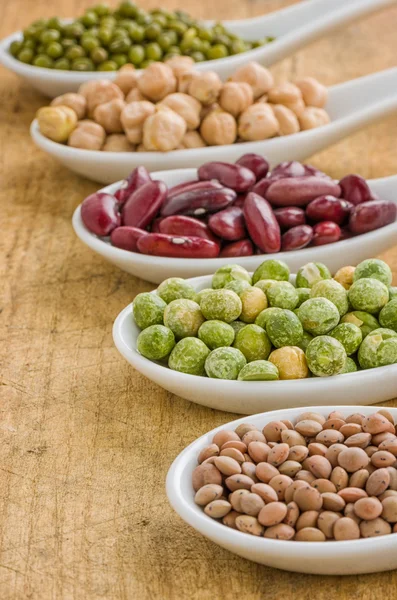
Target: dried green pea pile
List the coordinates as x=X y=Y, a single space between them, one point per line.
x=317 y=480
x=265 y=328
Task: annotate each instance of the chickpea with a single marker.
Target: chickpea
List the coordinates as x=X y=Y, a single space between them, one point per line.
x=264 y=98
x=180 y=64
x=192 y=139
x=117 y=142
x=88 y=136
x=258 y=77
x=163 y=130
x=297 y=107
x=219 y=128
x=126 y=78
x=345 y=276
x=205 y=87
x=135 y=96
x=108 y=115
x=287 y=119
x=133 y=117
x=187 y=107
x=76 y=102
x=56 y=122
x=157 y=81
x=313 y=92
x=184 y=81
x=206 y=110
x=291 y=362
x=98 y=92
x=313 y=117
x=236 y=96
x=284 y=93
x=258 y=122
x=141 y=148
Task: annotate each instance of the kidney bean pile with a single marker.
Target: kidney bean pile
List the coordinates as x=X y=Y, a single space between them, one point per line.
x=317 y=480
x=235 y=210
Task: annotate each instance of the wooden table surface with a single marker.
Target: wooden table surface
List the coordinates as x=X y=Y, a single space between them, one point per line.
x=85 y=441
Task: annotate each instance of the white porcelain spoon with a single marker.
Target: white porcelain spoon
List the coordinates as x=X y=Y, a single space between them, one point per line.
x=292 y=27
x=351 y=105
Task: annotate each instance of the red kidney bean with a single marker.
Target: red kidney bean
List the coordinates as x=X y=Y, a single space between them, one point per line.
x=290 y=216
x=263 y=185
x=144 y=204
x=261 y=223
x=135 y=180
x=297 y=237
x=235 y=176
x=329 y=208
x=195 y=184
x=200 y=201
x=299 y=191
x=127 y=237
x=355 y=189
x=372 y=215
x=161 y=244
x=296 y=169
x=182 y=225
x=255 y=163
x=345 y=234
x=155 y=226
x=326 y=232
x=100 y=214
x=240 y=200
x=228 y=224
x=240 y=248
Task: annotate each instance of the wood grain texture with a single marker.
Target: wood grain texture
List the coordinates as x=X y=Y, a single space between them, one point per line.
x=86 y=441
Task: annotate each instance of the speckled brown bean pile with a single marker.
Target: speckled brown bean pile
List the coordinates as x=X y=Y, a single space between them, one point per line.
x=313 y=481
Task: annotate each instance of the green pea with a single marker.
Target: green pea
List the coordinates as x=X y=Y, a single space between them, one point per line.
x=107 y=65
x=148 y=309
x=67 y=43
x=217 y=51
x=89 y=42
x=153 y=51
x=311 y=273
x=392 y=292
x=388 y=315
x=105 y=36
x=160 y=20
x=26 y=55
x=238 y=46
x=237 y=325
x=175 y=288
x=205 y=34
x=318 y=315
x=259 y=370
x=253 y=342
x=363 y=320
x=63 y=64
x=222 y=305
x=54 y=50
x=155 y=342
x=224 y=363
x=146 y=63
x=74 y=30
x=325 y=356
x=305 y=341
x=350 y=366
x=152 y=31
x=277 y=270
x=284 y=329
x=222 y=39
x=31 y=44
x=264 y=316
x=333 y=291
x=173 y=51
x=128 y=9
x=349 y=335
x=136 y=33
x=189 y=356
x=378 y=349
x=44 y=61
x=101 y=9
x=120 y=45
x=119 y=59
x=108 y=22
x=142 y=18
x=216 y=334
x=259 y=43
x=369 y=295
x=83 y=64
x=99 y=55
x=229 y=273
x=53 y=23
x=90 y=18
x=136 y=55
x=15 y=47
x=374 y=268
x=30 y=33
x=75 y=52
x=282 y=294
x=178 y=26
x=41 y=49
x=165 y=40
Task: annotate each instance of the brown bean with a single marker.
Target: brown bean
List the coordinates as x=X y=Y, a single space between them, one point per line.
x=287 y=423
x=218 y=509
x=333 y=452
x=249 y=468
x=316 y=448
x=308 y=499
x=368 y=508
x=319 y=466
x=265 y=472
x=235 y=499
x=272 y=514
x=375 y=423
x=311 y=416
x=239 y=482
x=372 y=215
x=253 y=436
x=335 y=414
x=329 y=437
x=230 y=519
x=204 y=474
x=387 y=494
x=208 y=493
x=307 y=519
x=326 y=521
x=233 y=453
x=385 y=413
x=207 y=452
x=349 y=429
x=235 y=444
x=258 y=451
x=346 y=529
x=280 y=483
x=370 y=450
x=292 y=438
x=273 y=431
x=261 y=223
x=227 y=466
x=358 y=440
x=244 y=428
x=382 y=458
x=278 y=455
x=374 y=528
x=378 y=482
x=332 y=501
x=339 y=478
x=298 y=453
x=248 y=524
x=349 y=512
x=290 y=468
x=333 y=424
x=305 y=476
x=393 y=477
x=359 y=479
x=310 y=534
x=324 y=485
x=352 y=494
x=280 y=532
x=308 y=427
x=389 y=509
x=290 y=491
x=265 y=491
x=355 y=418
x=292 y=514
x=251 y=504
x=381 y=437
x=353 y=459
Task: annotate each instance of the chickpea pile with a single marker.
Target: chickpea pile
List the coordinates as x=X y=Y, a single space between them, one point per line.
x=168 y=106
x=317 y=480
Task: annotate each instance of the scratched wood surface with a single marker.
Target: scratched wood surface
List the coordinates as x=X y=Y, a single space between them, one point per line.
x=85 y=441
